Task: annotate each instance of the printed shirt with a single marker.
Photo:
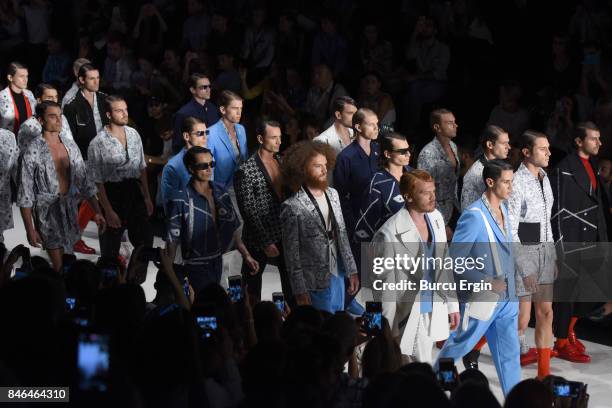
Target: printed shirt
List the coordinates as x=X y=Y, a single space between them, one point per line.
x=31 y=129
x=473 y=185
x=109 y=161
x=191 y=223
x=8 y=171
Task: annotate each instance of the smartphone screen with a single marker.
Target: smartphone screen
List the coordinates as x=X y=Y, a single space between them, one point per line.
x=208 y=324
x=93 y=362
x=234 y=288
x=70 y=304
x=279 y=300
x=575 y=388
x=20 y=273
x=186 y=287
x=372 y=318
x=109 y=273
x=447 y=374
x=561 y=389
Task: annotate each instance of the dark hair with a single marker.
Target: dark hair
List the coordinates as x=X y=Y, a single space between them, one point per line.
x=490 y=134
x=529 y=393
x=109 y=100
x=194 y=78
x=360 y=115
x=189 y=159
x=493 y=169
x=528 y=138
x=85 y=68
x=580 y=130
x=385 y=144
x=339 y=102
x=42 y=107
x=14 y=66
x=263 y=123
x=40 y=89
x=226 y=97
x=189 y=123
x=435 y=117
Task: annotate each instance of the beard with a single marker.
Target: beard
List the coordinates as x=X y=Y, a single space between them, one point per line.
x=315 y=182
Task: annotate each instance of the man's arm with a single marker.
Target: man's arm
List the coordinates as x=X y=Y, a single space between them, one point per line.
x=342 y=182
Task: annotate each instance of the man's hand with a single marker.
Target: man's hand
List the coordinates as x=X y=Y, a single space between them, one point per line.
x=353 y=284
x=454 y=318
x=149 y=205
x=498 y=285
x=34 y=238
x=271 y=251
x=303 y=299
x=531 y=283
x=112 y=219
x=100 y=222
x=449 y=233
x=253 y=264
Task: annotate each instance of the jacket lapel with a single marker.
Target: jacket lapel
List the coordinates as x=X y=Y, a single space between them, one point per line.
x=266 y=176
x=311 y=210
x=580 y=175
x=226 y=140
x=406 y=231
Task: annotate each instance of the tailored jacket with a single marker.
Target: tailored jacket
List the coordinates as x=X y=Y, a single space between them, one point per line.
x=399 y=236
x=81 y=120
x=258 y=203
x=306 y=247
x=7 y=108
x=220 y=145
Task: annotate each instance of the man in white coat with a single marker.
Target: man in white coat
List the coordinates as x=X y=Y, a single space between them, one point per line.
x=418 y=317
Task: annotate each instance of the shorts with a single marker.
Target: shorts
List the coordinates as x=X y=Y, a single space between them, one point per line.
x=538 y=260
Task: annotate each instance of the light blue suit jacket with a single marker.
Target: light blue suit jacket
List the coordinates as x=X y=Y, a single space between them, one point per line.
x=174 y=176
x=221 y=147
x=471 y=240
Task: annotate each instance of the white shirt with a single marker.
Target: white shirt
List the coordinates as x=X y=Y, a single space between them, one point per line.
x=333 y=138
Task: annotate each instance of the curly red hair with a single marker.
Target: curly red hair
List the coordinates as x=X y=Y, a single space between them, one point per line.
x=296 y=158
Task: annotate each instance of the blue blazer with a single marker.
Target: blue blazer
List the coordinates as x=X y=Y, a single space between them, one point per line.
x=471 y=240
x=174 y=177
x=221 y=147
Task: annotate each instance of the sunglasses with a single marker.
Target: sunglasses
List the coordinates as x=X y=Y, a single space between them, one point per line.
x=402 y=151
x=204 y=87
x=204 y=166
x=200 y=133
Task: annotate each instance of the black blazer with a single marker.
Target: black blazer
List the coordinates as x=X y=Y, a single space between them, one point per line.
x=579 y=213
x=81 y=120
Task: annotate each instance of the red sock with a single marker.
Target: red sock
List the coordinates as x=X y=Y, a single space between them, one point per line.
x=560 y=343
x=573 y=321
x=543 y=362
x=481 y=343
x=86 y=214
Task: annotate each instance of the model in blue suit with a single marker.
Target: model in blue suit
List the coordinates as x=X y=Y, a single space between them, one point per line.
x=220 y=145
x=471 y=239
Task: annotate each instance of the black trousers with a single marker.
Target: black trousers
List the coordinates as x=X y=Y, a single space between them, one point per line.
x=128 y=202
x=254 y=281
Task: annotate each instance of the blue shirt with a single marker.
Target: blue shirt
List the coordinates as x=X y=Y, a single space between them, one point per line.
x=191 y=223
x=226 y=162
x=209 y=114
x=352 y=175
x=175 y=176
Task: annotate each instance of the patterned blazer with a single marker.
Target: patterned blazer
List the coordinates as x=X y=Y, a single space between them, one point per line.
x=306 y=246
x=258 y=203
x=7 y=108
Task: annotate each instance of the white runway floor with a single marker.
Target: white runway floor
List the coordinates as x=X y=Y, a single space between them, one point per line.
x=597 y=374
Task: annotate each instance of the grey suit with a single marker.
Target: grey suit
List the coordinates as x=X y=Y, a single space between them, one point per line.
x=307 y=249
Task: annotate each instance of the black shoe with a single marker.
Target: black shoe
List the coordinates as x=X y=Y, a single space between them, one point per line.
x=599 y=315
x=470 y=360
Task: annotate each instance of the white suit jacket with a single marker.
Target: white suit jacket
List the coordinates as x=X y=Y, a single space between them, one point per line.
x=7 y=108
x=401 y=231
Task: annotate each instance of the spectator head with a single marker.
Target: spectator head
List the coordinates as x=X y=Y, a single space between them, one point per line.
x=497 y=175
x=155 y=107
x=495 y=142
x=258 y=16
x=419 y=368
x=560 y=43
x=114 y=47
x=371 y=84
x=529 y=393
x=587 y=139
x=17 y=75
x=77 y=64
x=195 y=7
x=419 y=190
x=535 y=148
x=474 y=376
x=220 y=21
x=199 y=162
x=370 y=33
x=199 y=86
x=311 y=127
x=443 y=124
x=394 y=150
x=307 y=163
x=322 y=77
x=426 y=28
x=286 y=22
x=269 y=135
x=230 y=105
x=400 y=390
x=343 y=328
x=268 y=321
x=194 y=132
x=83 y=279
x=225 y=60
x=473 y=395
x=605 y=169
x=292 y=129
x=344 y=108
x=365 y=123
x=116 y=110
x=46 y=92
x=171 y=58
x=54 y=45
x=89 y=78
x=263 y=374
x=329 y=22
x=49 y=116
x=509 y=95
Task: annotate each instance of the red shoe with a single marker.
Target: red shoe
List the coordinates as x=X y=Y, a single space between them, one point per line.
x=571 y=337
x=569 y=352
x=81 y=247
x=554 y=353
x=530 y=357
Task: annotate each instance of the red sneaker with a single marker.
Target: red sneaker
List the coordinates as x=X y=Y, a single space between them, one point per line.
x=81 y=247
x=569 y=352
x=571 y=337
x=530 y=357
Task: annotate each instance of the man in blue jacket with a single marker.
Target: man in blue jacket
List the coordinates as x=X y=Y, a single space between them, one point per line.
x=484 y=234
